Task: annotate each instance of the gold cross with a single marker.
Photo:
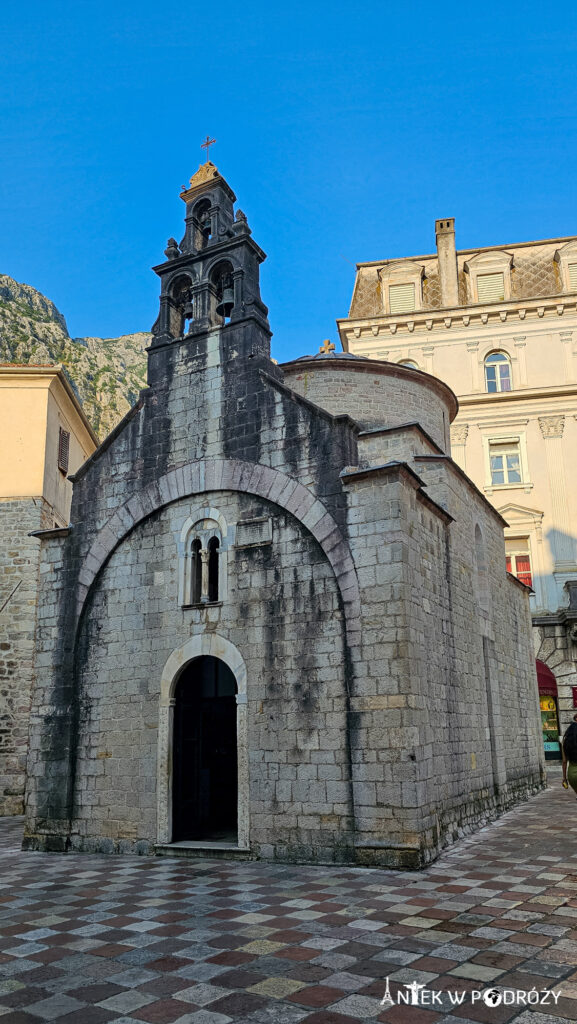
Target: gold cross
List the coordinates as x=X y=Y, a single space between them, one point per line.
x=208 y=142
x=327 y=346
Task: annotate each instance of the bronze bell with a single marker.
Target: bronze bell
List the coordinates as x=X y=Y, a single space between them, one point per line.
x=226 y=302
x=188 y=310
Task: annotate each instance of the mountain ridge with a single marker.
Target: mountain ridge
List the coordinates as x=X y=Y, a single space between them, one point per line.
x=107 y=374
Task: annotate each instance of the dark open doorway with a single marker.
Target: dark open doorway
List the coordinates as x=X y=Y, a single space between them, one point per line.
x=205 y=758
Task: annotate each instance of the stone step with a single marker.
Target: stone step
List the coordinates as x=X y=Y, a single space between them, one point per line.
x=193 y=850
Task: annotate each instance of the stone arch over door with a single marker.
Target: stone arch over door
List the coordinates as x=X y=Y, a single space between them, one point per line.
x=214 y=646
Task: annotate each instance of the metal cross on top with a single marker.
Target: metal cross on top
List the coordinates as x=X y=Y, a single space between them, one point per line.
x=327 y=346
x=208 y=142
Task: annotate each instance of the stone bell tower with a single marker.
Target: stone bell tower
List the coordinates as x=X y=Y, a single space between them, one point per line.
x=211 y=279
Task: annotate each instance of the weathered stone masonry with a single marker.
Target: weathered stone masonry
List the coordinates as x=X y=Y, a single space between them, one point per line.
x=19 y=561
x=376 y=704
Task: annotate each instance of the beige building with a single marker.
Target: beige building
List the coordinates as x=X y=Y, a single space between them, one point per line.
x=45 y=436
x=499 y=325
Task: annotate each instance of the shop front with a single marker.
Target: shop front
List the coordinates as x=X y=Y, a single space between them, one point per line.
x=549 y=712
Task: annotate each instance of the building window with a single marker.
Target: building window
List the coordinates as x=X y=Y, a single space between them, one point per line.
x=401 y=298
x=518 y=559
x=573 y=277
x=505 y=462
x=491 y=287
x=63 y=450
x=497 y=372
x=202 y=559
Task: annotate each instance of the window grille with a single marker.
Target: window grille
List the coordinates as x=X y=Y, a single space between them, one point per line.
x=573 y=277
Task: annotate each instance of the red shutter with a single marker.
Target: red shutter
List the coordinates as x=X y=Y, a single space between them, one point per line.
x=523 y=571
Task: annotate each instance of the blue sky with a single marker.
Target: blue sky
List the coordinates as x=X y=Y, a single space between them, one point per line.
x=344 y=129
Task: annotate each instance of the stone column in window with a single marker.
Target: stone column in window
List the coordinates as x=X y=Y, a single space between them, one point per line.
x=520 y=345
x=562 y=538
x=204 y=579
x=459 y=435
x=568 y=356
x=237 y=286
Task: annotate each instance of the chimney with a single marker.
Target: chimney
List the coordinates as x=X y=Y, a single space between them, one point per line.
x=447 y=257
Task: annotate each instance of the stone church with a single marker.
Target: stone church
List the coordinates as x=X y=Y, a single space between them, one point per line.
x=279 y=624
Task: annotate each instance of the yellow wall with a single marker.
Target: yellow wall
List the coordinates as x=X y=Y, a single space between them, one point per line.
x=34 y=404
x=23 y=408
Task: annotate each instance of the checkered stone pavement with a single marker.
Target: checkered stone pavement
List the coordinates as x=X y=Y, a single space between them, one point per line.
x=91 y=939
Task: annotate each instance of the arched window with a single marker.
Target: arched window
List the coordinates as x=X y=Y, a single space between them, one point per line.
x=202 y=559
x=223 y=288
x=213 y=546
x=497 y=372
x=181 y=310
x=202 y=224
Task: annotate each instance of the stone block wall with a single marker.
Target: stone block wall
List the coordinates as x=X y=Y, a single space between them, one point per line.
x=376 y=394
x=368 y=705
x=19 y=567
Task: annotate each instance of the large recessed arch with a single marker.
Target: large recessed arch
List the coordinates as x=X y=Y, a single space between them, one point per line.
x=203 y=475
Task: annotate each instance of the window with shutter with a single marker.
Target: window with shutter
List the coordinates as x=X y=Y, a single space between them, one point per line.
x=491 y=287
x=401 y=298
x=573 y=277
x=63 y=450
x=518 y=559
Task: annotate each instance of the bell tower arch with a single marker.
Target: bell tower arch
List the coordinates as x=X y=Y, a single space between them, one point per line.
x=211 y=277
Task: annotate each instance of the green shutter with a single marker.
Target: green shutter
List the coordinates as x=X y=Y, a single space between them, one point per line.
x=402 y=298
x=573 y=277
x=491 y=287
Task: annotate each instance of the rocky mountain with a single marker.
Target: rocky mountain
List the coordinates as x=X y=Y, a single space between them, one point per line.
x=106 y=373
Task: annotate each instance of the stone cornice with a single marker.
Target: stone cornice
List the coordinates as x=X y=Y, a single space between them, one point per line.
x=500 y=398
x=469 y=317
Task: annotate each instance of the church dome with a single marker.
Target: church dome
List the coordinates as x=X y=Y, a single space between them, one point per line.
x=373 y=392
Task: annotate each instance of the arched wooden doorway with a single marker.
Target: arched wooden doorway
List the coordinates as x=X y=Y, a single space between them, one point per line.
x=549 y=711
x=205 y=786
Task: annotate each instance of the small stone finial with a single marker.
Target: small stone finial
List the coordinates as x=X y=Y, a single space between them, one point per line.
x=327 y=346
x=240 y=226
x=172 y=250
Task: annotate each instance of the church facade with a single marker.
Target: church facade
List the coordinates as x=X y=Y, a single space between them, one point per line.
x=279 y=624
